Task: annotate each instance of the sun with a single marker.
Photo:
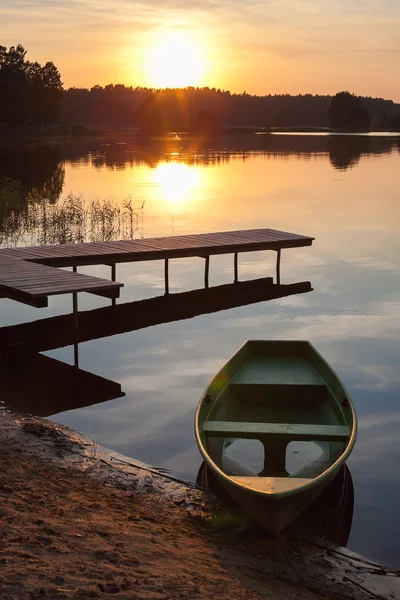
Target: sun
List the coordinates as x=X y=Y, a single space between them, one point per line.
x=175 y=59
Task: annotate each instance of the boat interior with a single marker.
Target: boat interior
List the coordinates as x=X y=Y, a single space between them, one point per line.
x=277 y=423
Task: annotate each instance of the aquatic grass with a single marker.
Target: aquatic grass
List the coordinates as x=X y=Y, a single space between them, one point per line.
x=133 y=218
x=26 y=219
x=104 y=220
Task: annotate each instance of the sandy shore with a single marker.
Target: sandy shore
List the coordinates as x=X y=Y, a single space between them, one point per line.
x=75 y=526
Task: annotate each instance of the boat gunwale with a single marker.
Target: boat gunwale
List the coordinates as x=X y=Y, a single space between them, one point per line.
x=315 y=481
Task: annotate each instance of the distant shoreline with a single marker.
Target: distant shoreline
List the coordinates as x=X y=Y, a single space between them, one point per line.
x=64 y=133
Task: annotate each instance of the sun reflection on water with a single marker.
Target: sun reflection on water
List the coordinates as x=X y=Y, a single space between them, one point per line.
x=178 y=183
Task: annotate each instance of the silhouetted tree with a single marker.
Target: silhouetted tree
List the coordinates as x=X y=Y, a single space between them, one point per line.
x=45 y=92
x=346 y=111
x=29 y=93
x=13 y=85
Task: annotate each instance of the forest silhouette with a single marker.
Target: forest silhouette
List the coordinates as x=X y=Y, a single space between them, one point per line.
x=32 y=95
x=194 y=109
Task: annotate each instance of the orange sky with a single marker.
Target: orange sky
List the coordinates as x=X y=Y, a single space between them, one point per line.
x=268 y=46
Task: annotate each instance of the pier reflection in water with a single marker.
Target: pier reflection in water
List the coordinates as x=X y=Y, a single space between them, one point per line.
x=50 y=386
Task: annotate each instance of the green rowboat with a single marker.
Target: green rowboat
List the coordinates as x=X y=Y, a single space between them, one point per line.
x=276 y=392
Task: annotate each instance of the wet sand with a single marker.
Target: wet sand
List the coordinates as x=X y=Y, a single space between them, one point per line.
x=75 y=526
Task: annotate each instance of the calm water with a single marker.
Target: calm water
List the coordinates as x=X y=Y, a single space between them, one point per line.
x=344 y=191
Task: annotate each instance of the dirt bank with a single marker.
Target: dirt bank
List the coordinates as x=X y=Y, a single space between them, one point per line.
x=72 y=526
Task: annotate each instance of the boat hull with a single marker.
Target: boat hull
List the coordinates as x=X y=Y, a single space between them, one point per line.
x=274 y=514
x=275 y=393
x=329 y=517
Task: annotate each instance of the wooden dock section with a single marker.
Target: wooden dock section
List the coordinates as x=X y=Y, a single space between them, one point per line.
x=32 y=283
x=24 y=280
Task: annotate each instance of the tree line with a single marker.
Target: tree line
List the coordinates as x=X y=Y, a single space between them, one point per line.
x=32 y=94
x=191 y=109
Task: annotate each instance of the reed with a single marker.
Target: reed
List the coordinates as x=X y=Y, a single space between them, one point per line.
x=29 y=219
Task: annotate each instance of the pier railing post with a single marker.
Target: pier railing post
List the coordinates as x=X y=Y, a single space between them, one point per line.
x=75 y=312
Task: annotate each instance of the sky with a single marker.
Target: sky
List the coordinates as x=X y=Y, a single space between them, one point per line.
x=261 y=47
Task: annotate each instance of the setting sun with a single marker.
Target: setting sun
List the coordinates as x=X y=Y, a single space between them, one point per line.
x=175 y=60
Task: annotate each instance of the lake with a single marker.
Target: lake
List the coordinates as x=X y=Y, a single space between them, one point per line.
x=342 y=190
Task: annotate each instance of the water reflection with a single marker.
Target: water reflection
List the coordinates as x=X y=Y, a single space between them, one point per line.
x=352 y=317
x=33 y=177
x=344 y=151
x=176 y=181
x=50 y=385
x=28 y=175
x=37 y=169
x=57 y=332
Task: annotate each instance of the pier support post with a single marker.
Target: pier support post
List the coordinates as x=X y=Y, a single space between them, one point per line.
x=236 y=270
x=75 y=312
x=113 y=278
x=166 y=276
x=278 y=266
x=206 y=271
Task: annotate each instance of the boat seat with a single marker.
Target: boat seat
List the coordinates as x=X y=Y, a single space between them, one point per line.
x=278 y=371
x=272 y=485
x=291 y=431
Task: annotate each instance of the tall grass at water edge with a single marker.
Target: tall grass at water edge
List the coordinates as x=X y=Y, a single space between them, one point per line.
x=31 y=219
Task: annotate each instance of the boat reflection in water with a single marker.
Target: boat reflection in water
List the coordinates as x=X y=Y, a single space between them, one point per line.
x=328 y=518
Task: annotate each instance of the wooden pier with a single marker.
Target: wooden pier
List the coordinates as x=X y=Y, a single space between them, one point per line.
x=31 y=274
